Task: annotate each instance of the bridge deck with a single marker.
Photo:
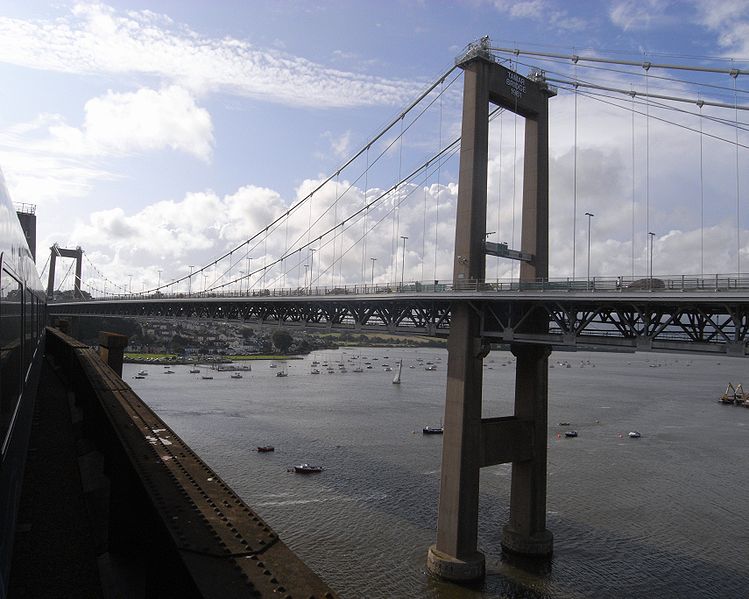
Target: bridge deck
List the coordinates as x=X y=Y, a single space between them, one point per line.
x=674 y=317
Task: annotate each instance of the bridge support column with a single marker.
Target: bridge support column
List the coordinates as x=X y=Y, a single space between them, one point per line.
x=455 y=556
x=526 y=532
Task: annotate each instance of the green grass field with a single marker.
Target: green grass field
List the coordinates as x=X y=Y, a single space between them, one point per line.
x=134 y=356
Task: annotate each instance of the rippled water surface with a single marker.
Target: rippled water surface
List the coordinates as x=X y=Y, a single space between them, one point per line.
x=660 y=516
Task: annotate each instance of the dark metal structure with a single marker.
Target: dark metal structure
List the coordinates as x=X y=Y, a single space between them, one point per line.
x=669 y=319
x=165 y=517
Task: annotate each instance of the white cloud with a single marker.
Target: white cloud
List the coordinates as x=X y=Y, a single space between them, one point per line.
x=47 y=159
x=543 y=11
x=143 y=120
x=638 y=14
x=340 y=146
x=97 y=39
x=37 y=177
x=529 y=9
x=729 y=19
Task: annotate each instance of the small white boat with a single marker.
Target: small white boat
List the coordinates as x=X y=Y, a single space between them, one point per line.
x=433 y=430
x=634 y=435
x=142 y=373
x=207 y=377
x=430 y=367
x=194 y=370
x=170 y=371
x=235 y=375
x=282 y=373
x=397 y=377
x=314 y=371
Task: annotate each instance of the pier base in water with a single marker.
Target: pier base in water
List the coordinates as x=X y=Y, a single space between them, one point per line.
x=540 y=544
x=451 y=568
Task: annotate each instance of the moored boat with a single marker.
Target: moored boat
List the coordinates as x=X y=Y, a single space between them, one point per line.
x=265 y=448
x=306 y=469
x=570 y=434
x=634 y=435
x=433 y=430
x=729 y=395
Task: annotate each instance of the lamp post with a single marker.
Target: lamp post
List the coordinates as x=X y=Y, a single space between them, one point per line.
x=241 y=278
x=373 y=261
x=306 y=267
x=590 y=216
x=650 y=268
x=249 y=272
x=189 y=281
x=159 y=283
x=130 y=285
x=403 y=263
x=311 y=268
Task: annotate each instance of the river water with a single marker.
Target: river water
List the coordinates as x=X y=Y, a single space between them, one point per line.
x=660 y=516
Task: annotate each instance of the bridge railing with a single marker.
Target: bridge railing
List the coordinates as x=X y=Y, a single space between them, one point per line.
x=620 y=284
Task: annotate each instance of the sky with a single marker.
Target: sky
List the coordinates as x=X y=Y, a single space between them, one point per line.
x=159 y=135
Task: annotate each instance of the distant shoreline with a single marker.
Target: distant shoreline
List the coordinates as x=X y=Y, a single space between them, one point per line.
x=176 y=360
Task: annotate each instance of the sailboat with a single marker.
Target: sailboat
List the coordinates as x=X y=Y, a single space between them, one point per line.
x=397 y=377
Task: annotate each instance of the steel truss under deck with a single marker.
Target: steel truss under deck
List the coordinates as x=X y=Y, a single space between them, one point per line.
x=708 y=322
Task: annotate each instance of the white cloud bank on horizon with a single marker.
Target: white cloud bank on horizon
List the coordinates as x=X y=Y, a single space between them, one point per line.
x=98 y=39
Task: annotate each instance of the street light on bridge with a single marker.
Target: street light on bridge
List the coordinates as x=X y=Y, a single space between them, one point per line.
x=189 y=280
x=311 y=267
x=403 y=265
x=650 y=267
x=373 y=261
x=590 y=215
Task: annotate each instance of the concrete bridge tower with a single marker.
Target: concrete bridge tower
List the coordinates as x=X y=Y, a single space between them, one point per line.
x=470 y=441
x=76 y=254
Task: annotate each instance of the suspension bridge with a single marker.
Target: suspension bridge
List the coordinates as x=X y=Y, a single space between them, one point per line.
x=338 y=257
